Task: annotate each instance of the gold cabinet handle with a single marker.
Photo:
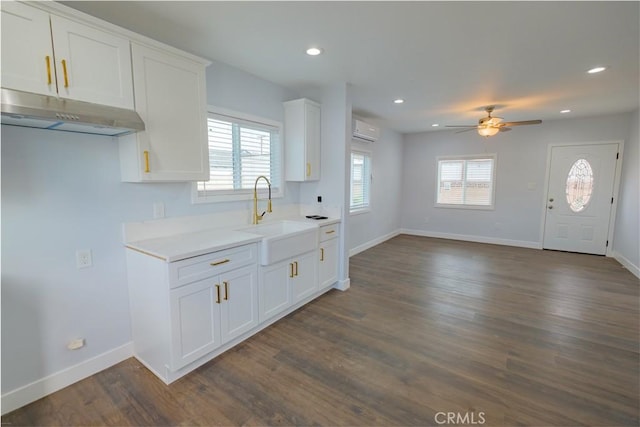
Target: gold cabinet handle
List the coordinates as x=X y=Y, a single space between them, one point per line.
x=321 y=254
x=224 y=261
x=330 y=231
x=218 y=294
x=64 y=71
x=291 y=272
x=226 y=290
x=308 y=169
x=48 y=61
x=146 y=162
x=296 y=263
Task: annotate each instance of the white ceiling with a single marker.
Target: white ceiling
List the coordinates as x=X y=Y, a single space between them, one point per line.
x=446 y=59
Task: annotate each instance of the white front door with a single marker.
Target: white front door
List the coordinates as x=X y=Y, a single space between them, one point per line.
x=580 y=197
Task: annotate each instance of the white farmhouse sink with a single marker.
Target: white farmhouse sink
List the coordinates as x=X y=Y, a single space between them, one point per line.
x=284 y=239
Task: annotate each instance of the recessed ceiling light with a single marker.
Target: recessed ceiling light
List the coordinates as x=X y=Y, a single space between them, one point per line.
x=398 y=101
x=435 y=125
x=565 y=111
x=314 y=51
x=596 y=70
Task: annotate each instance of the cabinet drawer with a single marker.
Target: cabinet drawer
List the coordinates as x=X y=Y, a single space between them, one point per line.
x=197 y=268
x=329 y=232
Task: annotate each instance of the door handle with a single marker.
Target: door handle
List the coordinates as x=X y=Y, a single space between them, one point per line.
x=48 y=61
x=218 y=294
x=296 y=264
x=550 y=207
x=64 y=69
x=226 y=290
x=146 y=161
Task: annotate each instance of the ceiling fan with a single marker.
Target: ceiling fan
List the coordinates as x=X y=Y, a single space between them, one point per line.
x=489 y=126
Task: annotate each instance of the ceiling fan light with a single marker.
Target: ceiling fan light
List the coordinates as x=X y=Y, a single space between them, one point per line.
x=488 y=131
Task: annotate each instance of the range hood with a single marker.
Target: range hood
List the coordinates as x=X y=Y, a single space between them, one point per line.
x=48 y=112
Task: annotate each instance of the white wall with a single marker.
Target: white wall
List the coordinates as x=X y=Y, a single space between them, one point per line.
x=522 y=158
x=333 y=186
x=626 y=242
x=62 y=192
x=383 y=221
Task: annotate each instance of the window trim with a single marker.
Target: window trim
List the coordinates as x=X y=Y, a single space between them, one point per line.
x=240 y=195
x=368 y=153
x=492 y=206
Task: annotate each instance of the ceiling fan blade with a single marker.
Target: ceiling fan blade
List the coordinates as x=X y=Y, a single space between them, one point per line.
x=524 y=122
x=504 y=129
x=466 y=130
x=461 y=126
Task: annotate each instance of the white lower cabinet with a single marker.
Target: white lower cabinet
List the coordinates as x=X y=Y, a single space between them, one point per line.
x=328 y=263
x=328 y=255
x=195 y=322
x=273 y=289
x=304 y=283
x=286 y=283
x=183 y=311
x=211 y=312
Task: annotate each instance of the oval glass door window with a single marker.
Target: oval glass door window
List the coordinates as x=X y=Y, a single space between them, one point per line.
x=579 y=185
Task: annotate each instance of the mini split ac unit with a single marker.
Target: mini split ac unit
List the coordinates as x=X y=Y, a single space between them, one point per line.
x=365 y=131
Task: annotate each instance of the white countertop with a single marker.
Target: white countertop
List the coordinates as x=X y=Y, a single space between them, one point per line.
x=181 y=246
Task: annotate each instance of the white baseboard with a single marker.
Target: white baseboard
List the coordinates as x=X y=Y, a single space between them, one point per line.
x=371 y=243
x=471 y=238
x=342 y=285
x=38 y=389
x=634 y=269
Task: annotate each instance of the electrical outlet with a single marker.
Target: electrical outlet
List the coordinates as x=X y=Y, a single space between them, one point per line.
x=83 y=258
x=158 y=210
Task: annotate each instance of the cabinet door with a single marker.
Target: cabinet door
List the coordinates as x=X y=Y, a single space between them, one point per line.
x=27 y=49
x=92 y=65
x=312 y=138
x=273 y=289
x=302 y=140
x=195 y=321
x=328 y=263
x=239 y=308
x=305 y=280
x=170 y=97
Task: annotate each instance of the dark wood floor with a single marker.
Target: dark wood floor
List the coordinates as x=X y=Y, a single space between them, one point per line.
x=504 y=335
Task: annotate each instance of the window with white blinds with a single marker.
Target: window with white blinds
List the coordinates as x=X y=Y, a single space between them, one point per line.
x=240 y=150
x=466 y=182
x=360 y=181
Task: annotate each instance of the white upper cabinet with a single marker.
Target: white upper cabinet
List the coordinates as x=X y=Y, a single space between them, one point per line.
x=89 y=65
x=92 y=65
x=170 y=96
x=27 y=52
x=302 y=140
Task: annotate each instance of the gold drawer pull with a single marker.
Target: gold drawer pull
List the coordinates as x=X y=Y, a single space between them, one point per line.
x=224 y=261
x=48 y=60
x=321 y=254
x=291 y=272
x=146 y=162
x=296 y=263
x=308 y=169
x=330 y=231
x=218 y=294
x=64 y=69
x=226 y=290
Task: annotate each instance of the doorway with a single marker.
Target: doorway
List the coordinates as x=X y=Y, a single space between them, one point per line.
x=580 y=197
